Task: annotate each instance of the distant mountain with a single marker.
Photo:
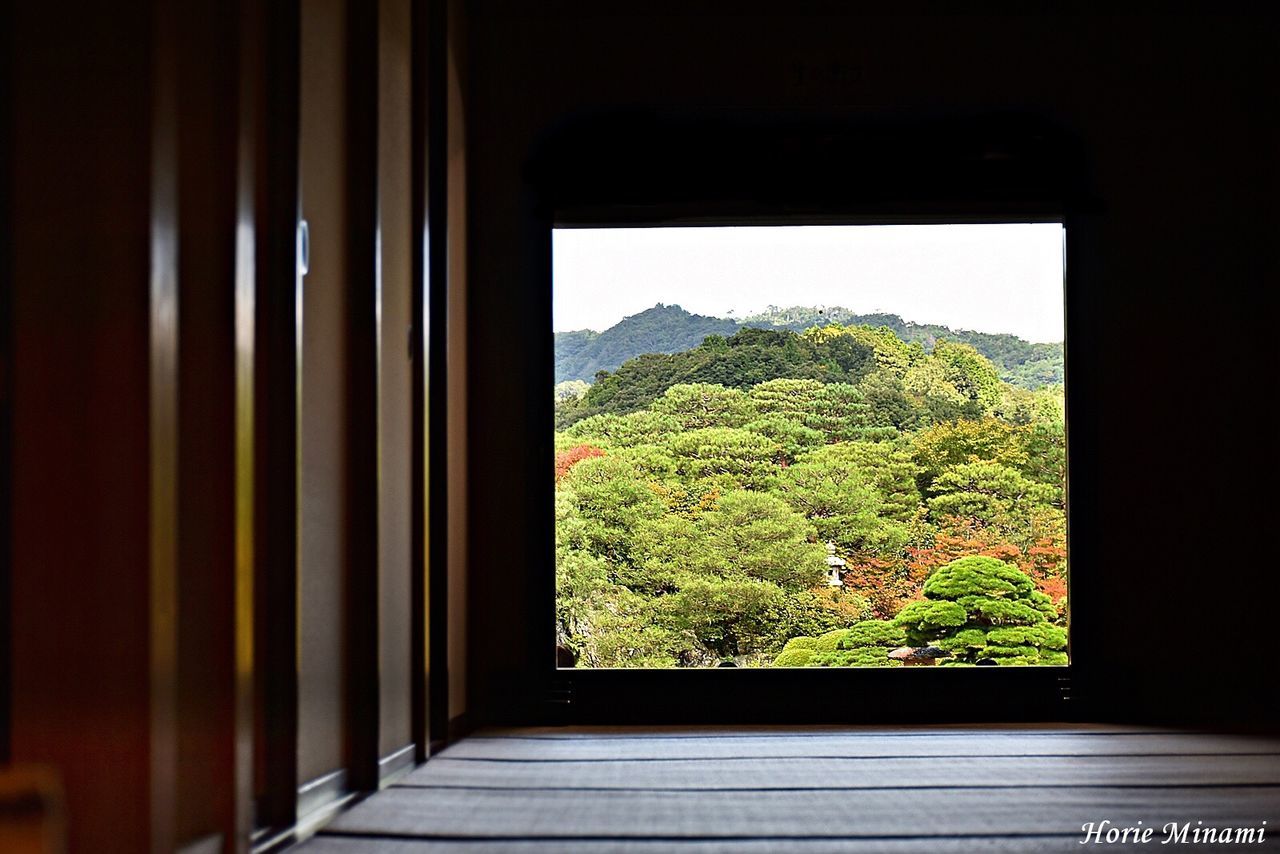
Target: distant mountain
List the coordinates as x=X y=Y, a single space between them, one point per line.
x=661 y=329
x=1021 y=363
x=671 y=329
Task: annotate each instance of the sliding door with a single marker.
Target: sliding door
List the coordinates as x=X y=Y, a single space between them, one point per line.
x=324 y=497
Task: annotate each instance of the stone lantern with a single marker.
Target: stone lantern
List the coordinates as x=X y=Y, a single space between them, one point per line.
x=833 y=566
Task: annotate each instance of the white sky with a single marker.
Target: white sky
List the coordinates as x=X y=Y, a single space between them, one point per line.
x=988 y=278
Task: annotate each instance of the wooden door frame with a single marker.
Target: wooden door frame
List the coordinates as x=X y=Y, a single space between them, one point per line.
x=755 y=168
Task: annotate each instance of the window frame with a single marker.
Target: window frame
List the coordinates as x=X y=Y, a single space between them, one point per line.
x=1034 y=175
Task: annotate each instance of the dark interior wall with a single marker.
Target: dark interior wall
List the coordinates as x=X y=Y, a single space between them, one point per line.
x=81 y=674
x=148 y=455
x=123 y=217
x=1176 y=118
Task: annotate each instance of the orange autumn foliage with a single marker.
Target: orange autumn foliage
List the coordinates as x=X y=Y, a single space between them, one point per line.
x=890 y=584
x=887 y=584
x=566 y=460
x=1055 y=588
x=1045 y=561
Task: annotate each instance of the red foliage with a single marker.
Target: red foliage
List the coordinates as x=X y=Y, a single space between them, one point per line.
x=566 y=460
x=891 y=584
x=1045 y=560
x=886 y=584
x=1055 y=588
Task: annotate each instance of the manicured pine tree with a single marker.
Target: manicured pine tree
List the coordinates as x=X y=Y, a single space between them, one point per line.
x=979 y=608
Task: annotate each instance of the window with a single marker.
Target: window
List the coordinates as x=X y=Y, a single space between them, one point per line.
x=810 y=445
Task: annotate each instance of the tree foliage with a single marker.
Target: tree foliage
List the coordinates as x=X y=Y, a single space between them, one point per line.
x=866 y=643
x=703 y=495
x=979 y=608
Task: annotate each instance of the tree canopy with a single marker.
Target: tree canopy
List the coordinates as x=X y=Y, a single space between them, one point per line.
x=817 y=497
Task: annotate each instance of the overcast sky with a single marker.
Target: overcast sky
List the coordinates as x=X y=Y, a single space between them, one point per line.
x=989 y=278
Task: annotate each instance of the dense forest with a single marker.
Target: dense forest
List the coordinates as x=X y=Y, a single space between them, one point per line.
x=581 y=354
x=844 y=495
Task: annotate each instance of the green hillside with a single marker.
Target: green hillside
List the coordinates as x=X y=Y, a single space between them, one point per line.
x=667 y=329
x=702 y=497
x=661 y=329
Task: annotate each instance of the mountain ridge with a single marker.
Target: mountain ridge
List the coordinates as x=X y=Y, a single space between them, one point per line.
x=581 y=354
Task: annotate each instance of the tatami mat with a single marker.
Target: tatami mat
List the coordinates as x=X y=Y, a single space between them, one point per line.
x=812 y=790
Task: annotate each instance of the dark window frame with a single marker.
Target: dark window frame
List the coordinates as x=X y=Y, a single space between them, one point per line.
x=734 y=169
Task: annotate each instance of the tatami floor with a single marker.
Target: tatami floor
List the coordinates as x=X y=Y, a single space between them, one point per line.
x=808 y=790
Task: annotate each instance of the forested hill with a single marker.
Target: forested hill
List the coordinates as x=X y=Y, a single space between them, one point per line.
x=661 y=329
x=581 y=354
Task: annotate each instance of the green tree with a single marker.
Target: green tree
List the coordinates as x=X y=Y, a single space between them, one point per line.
x=570 y=390
x=601 y=623
x=970 y=372
x=698 y=405
x=793 y=439
x=928 y=384
x=722 y=618
x=836 y=410
x=832 y=489
x=760 y=536
x=888 y=404
x=729 y=456
x=979 y=608
x=793 y=655
x=943 y=446
x=1044 y=440
x=612 y=498
x=890 y=352
x=664 y=550
x=839 y=412
x=792 y=398
x=987 y=494
x=892 y=471
x=743 y=360
x=623 y=431
x=866 y=643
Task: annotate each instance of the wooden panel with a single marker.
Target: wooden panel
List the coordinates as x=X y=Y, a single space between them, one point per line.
x=395 y=392
x=269 y=388
x=206 y=421
x=252 y=225
x=432 y=437
x=425 y=153
x=6 y=377
x=457 y=428
x=82 y=584
x=362 y=494
x=322 y=428
x=164 y=427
